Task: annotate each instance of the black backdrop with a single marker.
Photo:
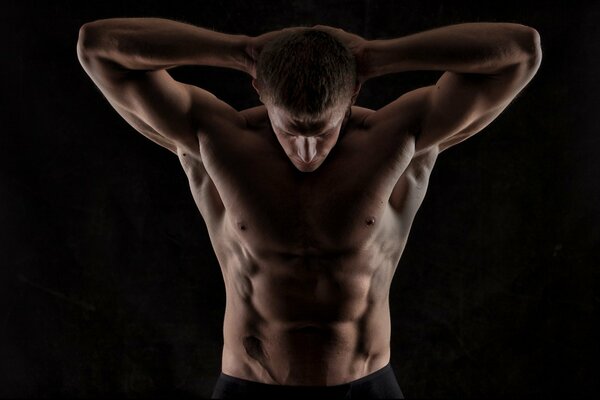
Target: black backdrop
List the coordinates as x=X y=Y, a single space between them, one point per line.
x=109 y=284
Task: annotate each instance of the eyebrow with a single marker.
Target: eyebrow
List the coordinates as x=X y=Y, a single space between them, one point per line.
x=306 y=131
x=307 y=127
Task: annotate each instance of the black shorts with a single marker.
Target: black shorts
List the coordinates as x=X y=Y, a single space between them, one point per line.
x=381 y=384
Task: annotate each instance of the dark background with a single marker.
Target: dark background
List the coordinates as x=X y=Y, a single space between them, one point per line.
x=109 y=284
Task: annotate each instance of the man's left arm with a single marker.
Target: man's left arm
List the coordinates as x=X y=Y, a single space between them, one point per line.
x=486 y=65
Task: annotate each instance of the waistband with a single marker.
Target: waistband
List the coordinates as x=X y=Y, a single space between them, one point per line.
x=386 y=369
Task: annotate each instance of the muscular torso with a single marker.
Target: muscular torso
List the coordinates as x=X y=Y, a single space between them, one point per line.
x=307 y=258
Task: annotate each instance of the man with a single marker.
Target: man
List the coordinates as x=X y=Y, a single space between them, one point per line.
x=308 y=199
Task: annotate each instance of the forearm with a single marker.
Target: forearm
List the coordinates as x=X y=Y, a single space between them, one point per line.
x=156 y=43
x=483 y=48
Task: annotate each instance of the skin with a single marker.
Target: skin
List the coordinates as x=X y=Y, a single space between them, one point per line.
x=308 y=223
x=307 y=149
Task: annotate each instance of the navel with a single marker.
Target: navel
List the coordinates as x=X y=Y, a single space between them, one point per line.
x=242 y=226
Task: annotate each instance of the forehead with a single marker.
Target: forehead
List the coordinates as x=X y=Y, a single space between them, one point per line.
x=286 y=121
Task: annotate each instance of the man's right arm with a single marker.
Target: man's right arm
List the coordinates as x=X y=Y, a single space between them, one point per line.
x=127 y=59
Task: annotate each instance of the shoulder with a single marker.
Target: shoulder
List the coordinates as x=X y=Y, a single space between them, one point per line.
x=407 y=109
x=255 y=117
x=360 y=114
x=394 y=125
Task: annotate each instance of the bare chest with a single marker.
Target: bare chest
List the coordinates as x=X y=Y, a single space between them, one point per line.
x=304 y=218
x=271 y=207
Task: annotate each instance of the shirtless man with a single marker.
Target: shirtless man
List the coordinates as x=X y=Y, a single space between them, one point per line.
x=308 y=199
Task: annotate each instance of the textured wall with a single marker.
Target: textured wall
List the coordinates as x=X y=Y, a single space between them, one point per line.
x=109 y=284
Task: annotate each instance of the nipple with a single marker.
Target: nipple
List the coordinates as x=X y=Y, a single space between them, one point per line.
x=242 y=226
x=370 y=220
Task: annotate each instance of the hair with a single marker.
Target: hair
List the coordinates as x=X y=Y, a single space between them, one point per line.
x=306 y=72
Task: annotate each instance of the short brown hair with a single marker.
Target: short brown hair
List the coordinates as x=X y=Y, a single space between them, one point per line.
x=306 y=72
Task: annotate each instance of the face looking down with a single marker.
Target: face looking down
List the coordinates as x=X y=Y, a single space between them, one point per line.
x=307 y=144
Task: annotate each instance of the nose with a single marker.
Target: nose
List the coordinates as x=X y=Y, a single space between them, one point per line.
x=306 y=148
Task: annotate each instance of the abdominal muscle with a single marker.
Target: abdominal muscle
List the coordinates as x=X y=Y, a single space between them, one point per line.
x=300 y=320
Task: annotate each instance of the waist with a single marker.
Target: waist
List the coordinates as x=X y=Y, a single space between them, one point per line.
x=363 y=386
x=305 y=355
x=387 y=369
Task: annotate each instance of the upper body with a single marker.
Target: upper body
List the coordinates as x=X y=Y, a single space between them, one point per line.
x=309 y=225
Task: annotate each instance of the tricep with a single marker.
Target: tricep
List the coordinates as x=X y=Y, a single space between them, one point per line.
x=460 y=105
x=150 y=101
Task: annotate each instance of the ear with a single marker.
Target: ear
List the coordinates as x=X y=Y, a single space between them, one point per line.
x=356 y=90
x=256 y=86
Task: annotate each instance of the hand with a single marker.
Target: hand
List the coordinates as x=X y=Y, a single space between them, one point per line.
x=357 y=46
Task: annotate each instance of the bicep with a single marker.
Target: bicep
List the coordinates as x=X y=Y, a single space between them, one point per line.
x=460 y=105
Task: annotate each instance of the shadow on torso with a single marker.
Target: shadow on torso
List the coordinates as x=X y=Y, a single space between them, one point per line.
x=246 y=181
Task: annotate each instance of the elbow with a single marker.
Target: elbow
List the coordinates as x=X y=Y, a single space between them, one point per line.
x=532 y=46
x=87 y=37
x=83 y=46
x=527 y=47
x=92 y=35
x=534 y=43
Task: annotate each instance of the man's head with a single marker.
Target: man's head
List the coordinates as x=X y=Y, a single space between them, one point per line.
x=307 y=80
